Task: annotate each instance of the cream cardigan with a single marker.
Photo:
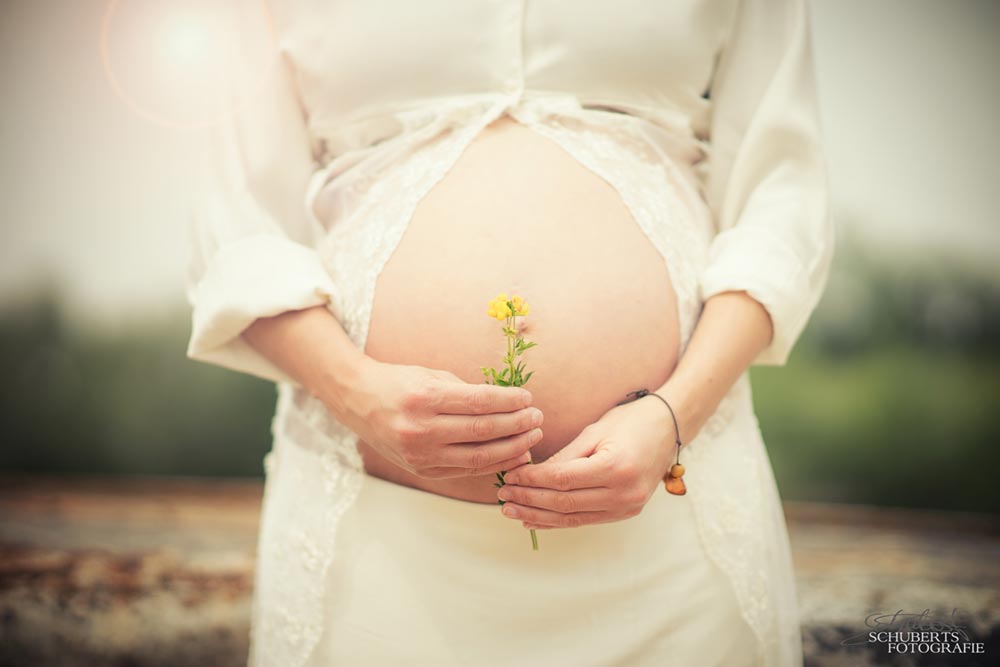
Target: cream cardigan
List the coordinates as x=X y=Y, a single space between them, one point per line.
x=345 y=113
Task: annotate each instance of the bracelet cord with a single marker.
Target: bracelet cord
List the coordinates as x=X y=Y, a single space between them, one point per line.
x=673 y=480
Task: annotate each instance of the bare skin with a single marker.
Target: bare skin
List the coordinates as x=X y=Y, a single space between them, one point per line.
x=422 y=413
x=517 y=214
x=615 y=466
x=422 y=419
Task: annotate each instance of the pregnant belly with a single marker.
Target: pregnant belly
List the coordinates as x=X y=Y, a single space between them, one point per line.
x=517 y=214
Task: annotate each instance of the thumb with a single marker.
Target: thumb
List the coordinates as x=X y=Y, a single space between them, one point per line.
x=571 y=457
x=580 y=447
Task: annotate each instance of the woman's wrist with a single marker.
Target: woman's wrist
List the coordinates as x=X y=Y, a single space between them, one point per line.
x=731 y=331
x=691 y=408
x=312 y=347
x=690 y=414
x=340 y=377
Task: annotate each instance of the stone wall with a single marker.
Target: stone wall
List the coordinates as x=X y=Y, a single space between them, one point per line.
x=159 y=572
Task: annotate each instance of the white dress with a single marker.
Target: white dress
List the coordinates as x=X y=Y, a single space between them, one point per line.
x=702 y=115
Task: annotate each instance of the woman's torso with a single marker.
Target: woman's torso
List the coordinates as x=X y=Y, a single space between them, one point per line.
x=517 y=214
x=367 y=71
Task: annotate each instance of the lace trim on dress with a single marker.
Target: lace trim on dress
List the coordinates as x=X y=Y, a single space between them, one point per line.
x=651 y=189
x=296 y=550
x=287 y=620
x=612 y=151
x=315 y=456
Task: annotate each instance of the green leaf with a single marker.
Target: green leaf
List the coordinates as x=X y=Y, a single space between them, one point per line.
x=528 y=376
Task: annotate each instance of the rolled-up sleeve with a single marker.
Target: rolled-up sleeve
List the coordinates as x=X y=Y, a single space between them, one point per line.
x=252 y=242
x=767 y=181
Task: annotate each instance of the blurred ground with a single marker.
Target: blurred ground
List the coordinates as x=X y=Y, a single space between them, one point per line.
x=158 y=571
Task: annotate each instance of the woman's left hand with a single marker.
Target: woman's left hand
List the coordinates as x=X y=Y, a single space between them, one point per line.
x=607 y=473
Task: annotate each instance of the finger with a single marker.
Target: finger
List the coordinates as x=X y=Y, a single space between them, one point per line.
x=481 y=399
x=451 y=472
x=582 y=446
x=555 y=519
x=592 y=470
x=479 y=428
x=564 y=502
x=479 y=456
x=503 y=465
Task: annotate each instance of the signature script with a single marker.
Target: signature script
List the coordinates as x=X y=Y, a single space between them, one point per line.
x=901 y=621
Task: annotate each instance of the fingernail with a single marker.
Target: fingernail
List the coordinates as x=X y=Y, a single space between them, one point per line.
x=510 y=478
x=527 y=398
x=535 y=436
x=509 y=511
x=503 y=494
x=536 y=417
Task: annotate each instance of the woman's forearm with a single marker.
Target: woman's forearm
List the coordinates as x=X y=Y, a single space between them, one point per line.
x=732 y=330
x=311 y=346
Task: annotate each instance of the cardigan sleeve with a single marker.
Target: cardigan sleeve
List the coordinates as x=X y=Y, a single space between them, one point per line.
x=252 y=243
x=767 y=181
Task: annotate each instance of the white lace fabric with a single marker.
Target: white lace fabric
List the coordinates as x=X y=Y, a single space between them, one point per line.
x=315 y=463
x=701 y=114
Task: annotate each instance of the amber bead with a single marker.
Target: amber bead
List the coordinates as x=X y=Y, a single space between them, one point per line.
x=677 y=470
x=675 y=485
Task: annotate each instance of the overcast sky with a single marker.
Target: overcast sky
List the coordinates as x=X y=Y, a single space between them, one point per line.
x=93 y=193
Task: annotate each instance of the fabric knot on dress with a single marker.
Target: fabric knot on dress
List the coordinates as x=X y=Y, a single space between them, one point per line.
x=537 y=108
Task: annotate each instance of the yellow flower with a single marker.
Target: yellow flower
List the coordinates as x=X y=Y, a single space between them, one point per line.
x=501 y=307
x=520 y=307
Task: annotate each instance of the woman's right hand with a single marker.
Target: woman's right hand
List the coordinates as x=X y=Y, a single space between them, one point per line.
x=432 y=423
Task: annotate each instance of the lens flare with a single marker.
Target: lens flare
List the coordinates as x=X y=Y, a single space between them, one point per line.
x=175 y=63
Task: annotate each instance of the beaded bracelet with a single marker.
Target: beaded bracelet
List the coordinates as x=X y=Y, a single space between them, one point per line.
x=674 y=479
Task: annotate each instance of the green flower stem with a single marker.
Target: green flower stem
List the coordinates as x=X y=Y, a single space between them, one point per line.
x=510 y=365
x=516 y=381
